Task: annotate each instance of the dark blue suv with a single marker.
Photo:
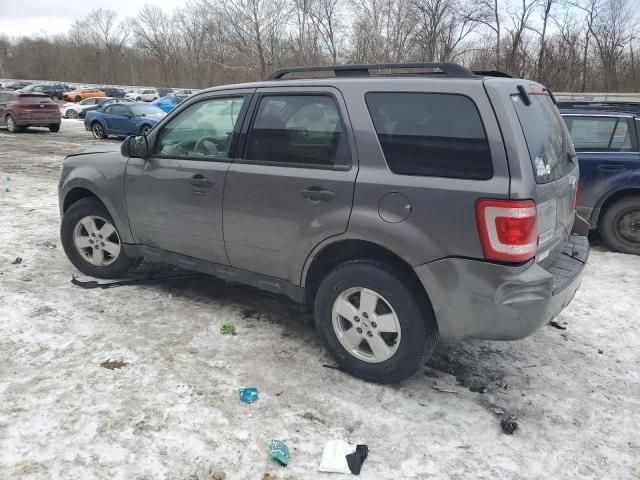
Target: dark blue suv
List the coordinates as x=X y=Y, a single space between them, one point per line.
x=605 y=136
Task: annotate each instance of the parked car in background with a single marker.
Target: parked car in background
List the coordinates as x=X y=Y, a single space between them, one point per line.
x=605 y=136
x=81 y=94
x=144 y=95
x=163 y=91
x=452 y=218
x=122 y=119
x=113 y=92
x=79 y=110
x=182 y=91
x=53 y=91
x=16 y=85
x=168 y=103
x=20 y=110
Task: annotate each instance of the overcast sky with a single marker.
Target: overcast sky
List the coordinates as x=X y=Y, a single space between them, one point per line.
x=56 y=16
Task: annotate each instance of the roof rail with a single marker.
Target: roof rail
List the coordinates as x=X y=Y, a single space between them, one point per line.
x=448 y=68
x=622 y=107
x=492 y=73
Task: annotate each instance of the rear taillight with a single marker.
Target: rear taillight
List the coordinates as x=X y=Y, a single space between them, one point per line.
x=507 y=229
x=575 y=201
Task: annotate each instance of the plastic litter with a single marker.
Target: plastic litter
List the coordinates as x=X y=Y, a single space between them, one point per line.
x=555 y=324
x=496 y=409
x=448 y=387
x=17 y=261
x=334 y=457
x=279 y=452
x=357 y=458
x=228 y=328
x=509 y=424
x=249 y=394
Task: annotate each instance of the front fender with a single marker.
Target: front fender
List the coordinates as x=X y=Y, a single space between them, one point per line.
x=105 y=180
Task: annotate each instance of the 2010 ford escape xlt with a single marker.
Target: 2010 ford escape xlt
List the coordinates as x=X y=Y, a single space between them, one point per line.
x=399 y=203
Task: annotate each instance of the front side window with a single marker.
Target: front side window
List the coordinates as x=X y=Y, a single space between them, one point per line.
x=299 y=130
x=599 y=134
x=431 y=134
x=204 y=129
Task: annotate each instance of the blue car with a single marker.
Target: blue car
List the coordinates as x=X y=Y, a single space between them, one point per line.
x=607 y=142
x=122 y=119
x=168 y=102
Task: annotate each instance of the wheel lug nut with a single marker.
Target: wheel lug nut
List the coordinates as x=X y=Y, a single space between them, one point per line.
x=91 y=241
x=369 y=334
x=359 y=330
x=374 y=324
x=356 y=319
x=365 y=314
x=102 y=243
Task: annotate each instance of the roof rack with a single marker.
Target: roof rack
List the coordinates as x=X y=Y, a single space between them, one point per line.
x=447 y=68
x=492 y=73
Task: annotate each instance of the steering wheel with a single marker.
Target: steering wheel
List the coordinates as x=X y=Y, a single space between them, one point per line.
x=200 y=148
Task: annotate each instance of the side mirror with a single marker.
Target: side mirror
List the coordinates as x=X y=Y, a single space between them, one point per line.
x=135 y=146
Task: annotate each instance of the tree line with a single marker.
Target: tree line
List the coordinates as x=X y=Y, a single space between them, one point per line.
x=568 y=45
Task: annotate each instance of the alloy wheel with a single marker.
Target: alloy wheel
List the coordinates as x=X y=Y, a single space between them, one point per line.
x=366 y=325
x=97 y=241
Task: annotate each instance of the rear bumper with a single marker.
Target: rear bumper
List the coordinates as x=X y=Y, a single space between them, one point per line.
x=35 y=122
x=476 y=299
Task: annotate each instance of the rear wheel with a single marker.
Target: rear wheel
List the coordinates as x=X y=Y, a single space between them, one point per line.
x=98 y=131
x=78 y=98
x=55 y=98
x=54 y=127
x=376 y=325
x=72 y=113
x=11 y=124
x=620 y=225
x=92 y=242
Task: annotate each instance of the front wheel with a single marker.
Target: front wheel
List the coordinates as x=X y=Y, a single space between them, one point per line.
x=55 y=98
x=12 y=126
x=54 y=127
x=92 y=242
x=620 y=225
x=72 y=113
x=375 y=324
x=98 y=131
x=145 y=130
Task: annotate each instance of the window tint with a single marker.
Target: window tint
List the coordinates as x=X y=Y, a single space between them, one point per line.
x=548 y=141
x=34 y=99
x=599 y=134
x=431 y=134
x=299 y=129
x=204 y=129
x=120 y=110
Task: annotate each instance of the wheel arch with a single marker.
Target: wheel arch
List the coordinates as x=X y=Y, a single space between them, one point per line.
x=610 y=199
x=76 y=194
x=340 y=251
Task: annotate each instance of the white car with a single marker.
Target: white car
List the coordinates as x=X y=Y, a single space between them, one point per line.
x=144 y=94
x=77 y=110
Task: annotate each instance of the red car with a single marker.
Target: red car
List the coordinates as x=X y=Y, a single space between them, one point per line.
x=19 y=110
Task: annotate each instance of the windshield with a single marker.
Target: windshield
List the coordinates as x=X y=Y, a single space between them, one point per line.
x=144 y=109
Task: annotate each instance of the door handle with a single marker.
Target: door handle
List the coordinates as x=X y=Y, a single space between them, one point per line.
x=318 y=194
x=612 y=167
x=201 y=181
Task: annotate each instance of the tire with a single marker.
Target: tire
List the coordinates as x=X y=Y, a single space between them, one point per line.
x=138 y=99
x=12 y=126
x=54 y=127
x=98 y=131
x=620 y=225
x=145 y=130
x=78 y=98
x=72 y=113
x=412 y=318
x=55 y=98
x=72 y=227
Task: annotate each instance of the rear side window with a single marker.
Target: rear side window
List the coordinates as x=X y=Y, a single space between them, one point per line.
x=599 y=134
x=299 y=130
x=431 y=134
x=550 y=147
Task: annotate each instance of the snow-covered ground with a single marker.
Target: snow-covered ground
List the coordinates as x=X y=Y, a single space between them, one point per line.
x=173 y=410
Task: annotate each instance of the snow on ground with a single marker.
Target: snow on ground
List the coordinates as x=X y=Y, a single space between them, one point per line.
x=173 y=410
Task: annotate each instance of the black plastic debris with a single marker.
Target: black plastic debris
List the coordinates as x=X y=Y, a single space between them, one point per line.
x=555 y=324
x=91 y=284
x=357 y=458
x=509 y=424
x=17 y=261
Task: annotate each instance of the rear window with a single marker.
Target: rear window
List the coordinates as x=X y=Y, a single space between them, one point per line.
x=34 y=99
x=550 y=147
x=431 y=134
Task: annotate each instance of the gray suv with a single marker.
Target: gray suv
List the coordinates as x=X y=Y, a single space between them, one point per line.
x=398 y=203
